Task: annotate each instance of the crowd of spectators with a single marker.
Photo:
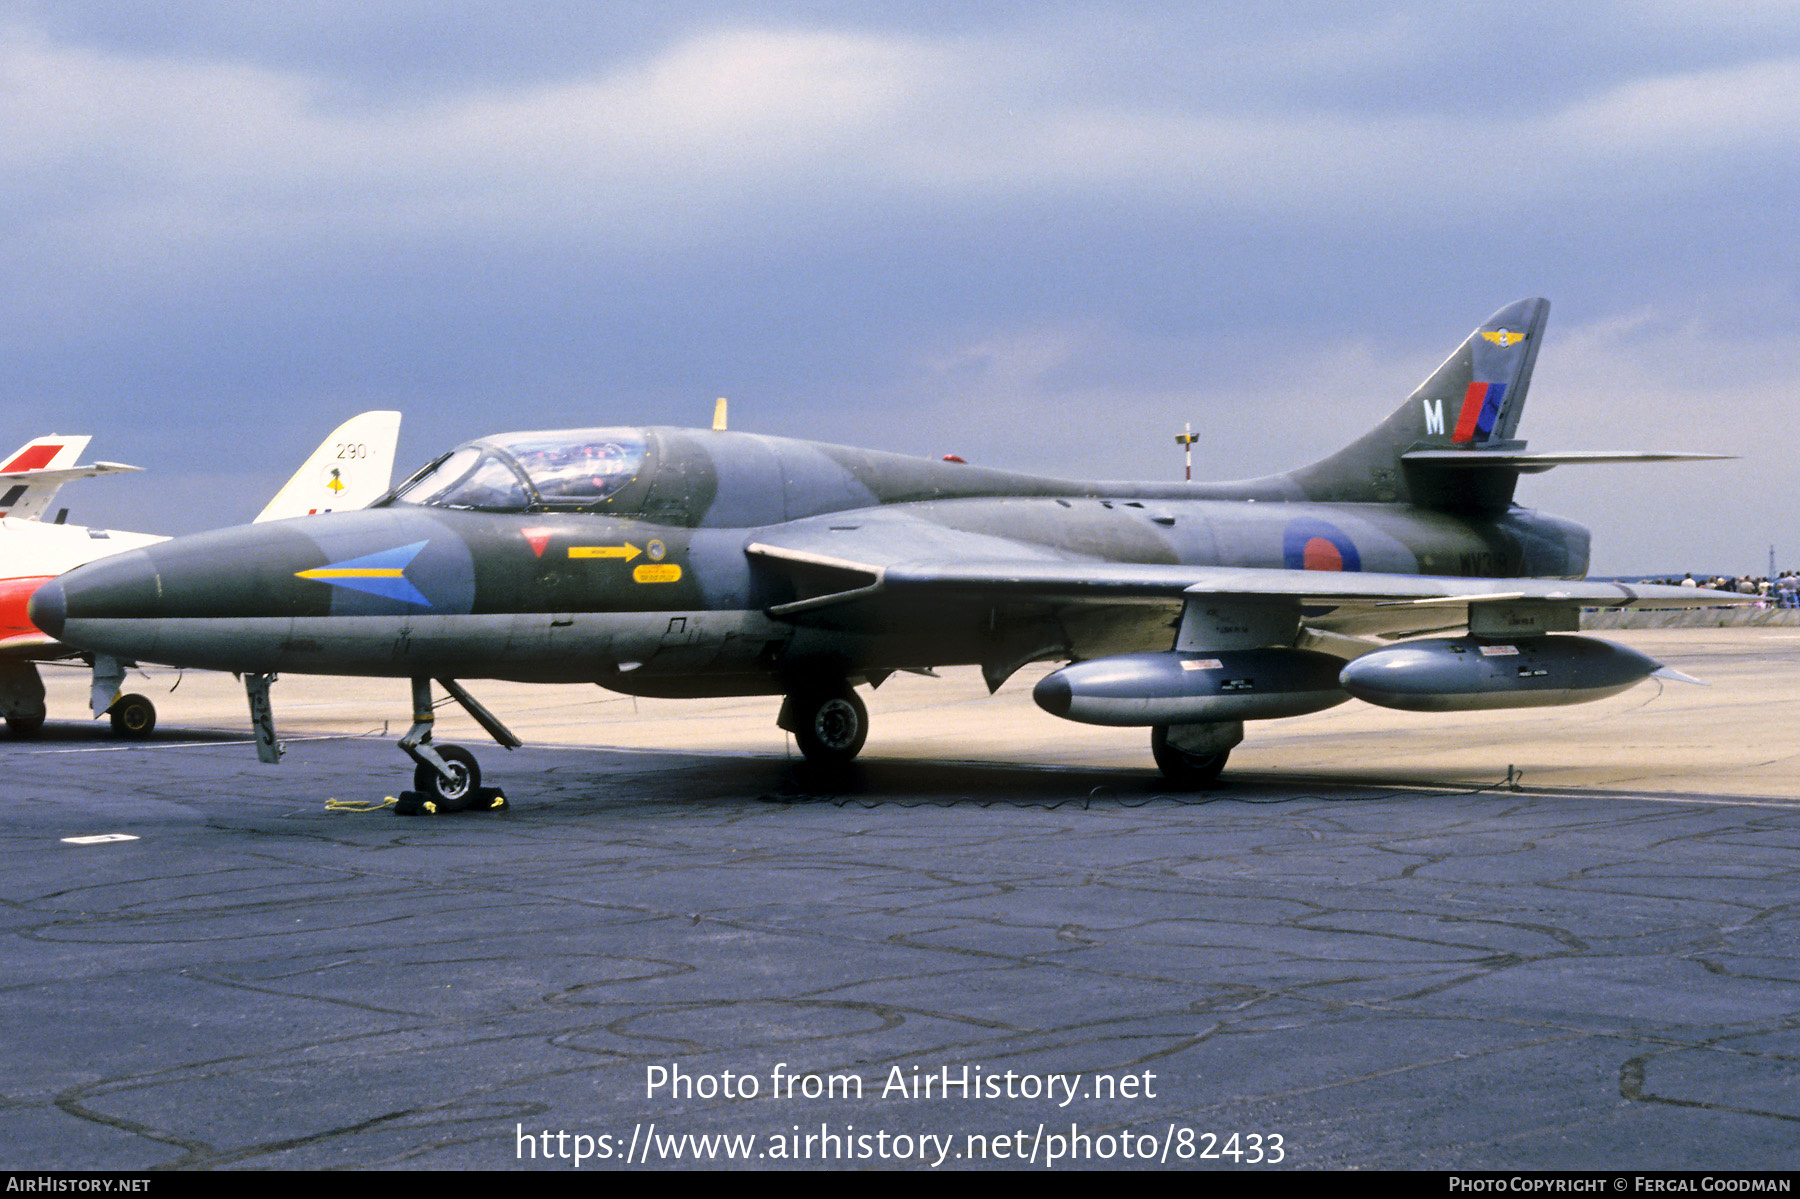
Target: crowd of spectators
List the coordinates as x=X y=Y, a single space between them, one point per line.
x=1783 y=591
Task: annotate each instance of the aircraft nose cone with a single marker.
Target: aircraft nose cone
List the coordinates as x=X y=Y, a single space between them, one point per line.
x=83 y=607
x=47 y=608
x=119 y=585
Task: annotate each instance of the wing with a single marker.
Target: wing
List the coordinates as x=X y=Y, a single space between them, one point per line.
x=890 y=568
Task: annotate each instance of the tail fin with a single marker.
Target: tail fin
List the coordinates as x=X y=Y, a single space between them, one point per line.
x=1485 y=381
x=351 y=468
x=1469 y=404
x=31 y=475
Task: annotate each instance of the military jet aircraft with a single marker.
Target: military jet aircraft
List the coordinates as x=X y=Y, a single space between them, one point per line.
x=674 y=562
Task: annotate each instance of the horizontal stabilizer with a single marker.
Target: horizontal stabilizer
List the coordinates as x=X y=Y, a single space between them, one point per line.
x=91 y=470
x=1537 y=461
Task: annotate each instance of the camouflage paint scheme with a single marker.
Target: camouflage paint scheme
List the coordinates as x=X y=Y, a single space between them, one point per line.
x=700 y=563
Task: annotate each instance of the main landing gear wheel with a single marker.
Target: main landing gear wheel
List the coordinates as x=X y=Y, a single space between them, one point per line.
x=1182 y=768
x=457 y=789
x=132 y=716
x=24 y=726
x=829 y=726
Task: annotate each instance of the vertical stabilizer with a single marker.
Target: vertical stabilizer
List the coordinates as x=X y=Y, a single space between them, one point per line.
x=351 y=469
x=1472 y=402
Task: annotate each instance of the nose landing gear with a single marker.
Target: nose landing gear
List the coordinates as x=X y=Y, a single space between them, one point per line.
x=445 y=777
x=448 y=776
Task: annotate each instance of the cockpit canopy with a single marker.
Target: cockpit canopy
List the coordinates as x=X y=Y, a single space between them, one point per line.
x=560 y=470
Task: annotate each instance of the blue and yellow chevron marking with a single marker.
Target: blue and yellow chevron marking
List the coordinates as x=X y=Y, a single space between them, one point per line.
x=380 y=574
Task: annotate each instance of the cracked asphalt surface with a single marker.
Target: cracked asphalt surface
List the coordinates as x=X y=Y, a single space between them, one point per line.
x=1366 y=944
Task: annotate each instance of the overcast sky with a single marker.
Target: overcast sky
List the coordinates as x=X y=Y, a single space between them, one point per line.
x=1038 y=235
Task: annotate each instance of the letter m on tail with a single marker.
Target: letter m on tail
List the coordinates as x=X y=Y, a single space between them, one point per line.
x=1434 y=417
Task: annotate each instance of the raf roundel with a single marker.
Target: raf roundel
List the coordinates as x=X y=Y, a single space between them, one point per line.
x=1317 y=545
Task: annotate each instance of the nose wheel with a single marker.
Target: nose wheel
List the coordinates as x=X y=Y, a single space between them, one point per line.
x=448 y=775
x=459 y=785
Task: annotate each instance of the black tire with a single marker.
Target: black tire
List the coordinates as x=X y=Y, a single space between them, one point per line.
x=24 y=726
x=830 y=727
x=454 y=793
x=1190 y=772
x=132 y=716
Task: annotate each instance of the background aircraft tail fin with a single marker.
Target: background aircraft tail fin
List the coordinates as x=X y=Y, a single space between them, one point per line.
x=351 y=469
x=53 y=451
x=31 y=475
x=1469 y=405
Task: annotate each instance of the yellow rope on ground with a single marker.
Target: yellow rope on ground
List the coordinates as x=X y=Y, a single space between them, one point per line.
x=352 y=805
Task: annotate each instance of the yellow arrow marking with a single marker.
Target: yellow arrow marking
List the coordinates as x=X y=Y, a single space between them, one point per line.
x=627 y=551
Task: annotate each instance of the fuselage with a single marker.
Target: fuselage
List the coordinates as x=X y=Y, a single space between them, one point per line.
x=618 y=556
